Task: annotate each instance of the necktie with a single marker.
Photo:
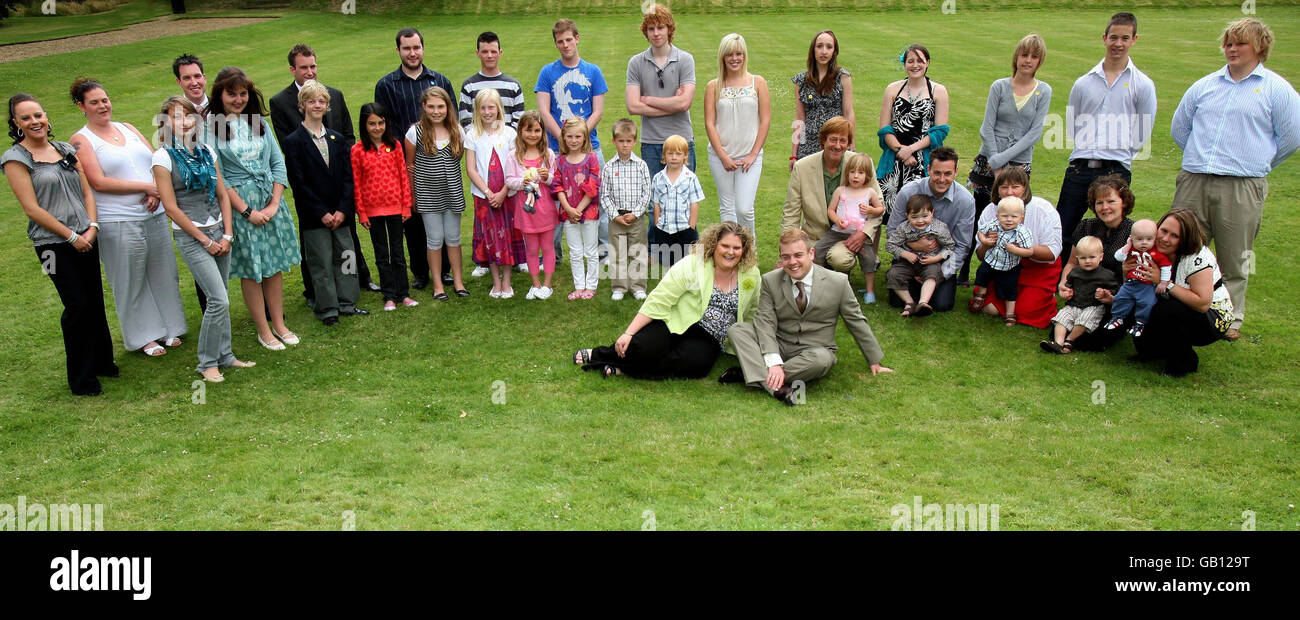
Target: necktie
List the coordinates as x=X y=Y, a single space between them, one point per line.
x=800 y=300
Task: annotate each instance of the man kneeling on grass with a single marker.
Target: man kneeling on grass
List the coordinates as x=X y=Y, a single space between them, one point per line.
x=792 y=338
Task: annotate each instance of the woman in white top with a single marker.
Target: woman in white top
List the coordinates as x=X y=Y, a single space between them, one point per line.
x=737 y=114
x=1040 y=272
x=1196 y=310
x=135 y=244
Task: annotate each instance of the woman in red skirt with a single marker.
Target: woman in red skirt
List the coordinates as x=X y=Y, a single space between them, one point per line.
x=1039 y=274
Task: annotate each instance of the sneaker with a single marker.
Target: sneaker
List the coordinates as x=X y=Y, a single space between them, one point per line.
x=617 y=296
x=638 y=295
x=522 y=267
x=409 y=303
x=478 y=272
x=390 y=306
x=507 y=294
x=1115 y=324
x=869 y=298
x=1136 y=330
x=494 y=294
x=532 y=293
x=545 y=292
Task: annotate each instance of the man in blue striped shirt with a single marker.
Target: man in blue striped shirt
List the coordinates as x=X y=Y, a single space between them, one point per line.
x=399 y=92
x=1235 y=126
x=1110 y=115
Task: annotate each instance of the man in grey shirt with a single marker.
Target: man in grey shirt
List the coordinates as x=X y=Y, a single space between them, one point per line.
x=955 y=207
x=660 y=89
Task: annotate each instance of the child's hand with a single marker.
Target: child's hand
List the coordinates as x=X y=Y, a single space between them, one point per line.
x=911 y=257
x=1162 y=287
x=1064 y=292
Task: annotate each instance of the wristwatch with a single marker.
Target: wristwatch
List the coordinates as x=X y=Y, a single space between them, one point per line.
x=228 y=237
x=245 y=213
x=94 y=225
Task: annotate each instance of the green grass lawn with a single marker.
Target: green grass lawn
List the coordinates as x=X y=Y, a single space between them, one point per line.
x=470 y=415
x=37 y=27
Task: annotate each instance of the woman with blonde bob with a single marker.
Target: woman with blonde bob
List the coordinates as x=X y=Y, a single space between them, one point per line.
x=737 y=115
x=682 y=326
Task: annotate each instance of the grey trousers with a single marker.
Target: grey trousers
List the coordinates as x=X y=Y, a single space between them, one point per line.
x=332 y=260
x=141 y=268
x=802 y=364
x=212 y=274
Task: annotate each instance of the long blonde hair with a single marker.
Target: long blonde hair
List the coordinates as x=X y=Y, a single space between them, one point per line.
x=487 y=95
x=427 y=145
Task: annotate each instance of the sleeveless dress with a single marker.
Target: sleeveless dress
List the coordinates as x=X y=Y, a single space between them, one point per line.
x=911 y=120
x=737 y=119
x=496 y=240
x=817 y=109
x=251 y=165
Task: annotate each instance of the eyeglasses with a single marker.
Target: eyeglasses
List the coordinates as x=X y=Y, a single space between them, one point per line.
x=661 y=76
x=69 y=162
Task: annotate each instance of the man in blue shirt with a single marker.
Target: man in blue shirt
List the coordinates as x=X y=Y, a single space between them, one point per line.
x=572 y=87
x=954 y=205
x=1110 y=115
x=399 y=92
x=1235 y=126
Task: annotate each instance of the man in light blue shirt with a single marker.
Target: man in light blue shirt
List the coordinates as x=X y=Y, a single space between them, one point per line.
x=954 y=205
x=1235 y=126
x=1110 y=116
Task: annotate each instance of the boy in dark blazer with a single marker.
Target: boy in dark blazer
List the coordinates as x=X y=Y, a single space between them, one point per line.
x=320 y=172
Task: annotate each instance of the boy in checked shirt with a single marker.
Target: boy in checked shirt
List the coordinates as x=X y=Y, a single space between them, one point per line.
x=625 y=193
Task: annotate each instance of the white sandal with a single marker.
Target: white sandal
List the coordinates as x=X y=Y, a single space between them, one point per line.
x=154 y=349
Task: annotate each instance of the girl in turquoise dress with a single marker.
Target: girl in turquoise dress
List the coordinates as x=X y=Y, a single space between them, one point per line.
x=266 y=243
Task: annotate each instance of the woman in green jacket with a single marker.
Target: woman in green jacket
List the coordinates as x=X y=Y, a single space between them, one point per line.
x=682 y=326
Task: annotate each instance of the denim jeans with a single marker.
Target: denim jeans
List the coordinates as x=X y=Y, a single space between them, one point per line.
x=211 y=273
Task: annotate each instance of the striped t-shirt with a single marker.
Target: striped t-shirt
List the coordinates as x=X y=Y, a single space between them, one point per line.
x=512 y=97
x=438 y=186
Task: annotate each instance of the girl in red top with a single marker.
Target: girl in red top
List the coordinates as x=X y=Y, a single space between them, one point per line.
x=383 y=197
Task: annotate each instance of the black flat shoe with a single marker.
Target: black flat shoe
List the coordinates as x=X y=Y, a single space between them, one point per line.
x=732 y=375
x=330 y=321
x=420 y=284
x=785 y=395
x=355 y=312
x=460 y=292
x=441 y=297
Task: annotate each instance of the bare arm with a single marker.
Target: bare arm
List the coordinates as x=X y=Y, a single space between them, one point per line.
x=544 y=106
x=597 y=111
x=846 y=107
x=99 y=181
x=20 y=180
x=711 y=123
x=887 y=117
x=680 y=101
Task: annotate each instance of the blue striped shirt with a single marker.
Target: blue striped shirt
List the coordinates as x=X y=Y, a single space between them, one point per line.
x=1240 y=129
x=675 y=199
x=1111 y=121
x=400 y=96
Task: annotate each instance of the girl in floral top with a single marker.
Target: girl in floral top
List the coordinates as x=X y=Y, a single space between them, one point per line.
x=577 y=186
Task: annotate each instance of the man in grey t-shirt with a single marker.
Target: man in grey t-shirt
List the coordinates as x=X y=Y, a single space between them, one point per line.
x=660 y=89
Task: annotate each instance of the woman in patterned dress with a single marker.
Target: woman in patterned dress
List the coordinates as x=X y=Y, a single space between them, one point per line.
x=914 y=120
x=822 y=92
x=266 y=243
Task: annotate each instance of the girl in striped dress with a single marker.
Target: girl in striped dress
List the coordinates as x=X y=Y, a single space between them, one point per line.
x=434 y=147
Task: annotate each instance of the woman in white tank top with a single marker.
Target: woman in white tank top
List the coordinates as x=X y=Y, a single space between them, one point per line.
x=737 y=114
x=135 y=244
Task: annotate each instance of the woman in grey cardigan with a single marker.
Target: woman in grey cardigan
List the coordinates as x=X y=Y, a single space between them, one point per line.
x=1013 y=123
x=194 y=195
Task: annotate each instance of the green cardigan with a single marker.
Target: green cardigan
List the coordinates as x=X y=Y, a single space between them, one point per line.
x=683 y=294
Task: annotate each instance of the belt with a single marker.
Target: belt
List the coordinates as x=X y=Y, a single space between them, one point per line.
x=1097 y=163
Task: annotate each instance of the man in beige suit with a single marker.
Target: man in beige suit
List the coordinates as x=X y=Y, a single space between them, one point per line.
x=792 y=338
x=812 y=182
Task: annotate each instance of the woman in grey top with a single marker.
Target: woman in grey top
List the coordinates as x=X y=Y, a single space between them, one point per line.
x=47 y=181
x=194 y=195
x=1013 y=122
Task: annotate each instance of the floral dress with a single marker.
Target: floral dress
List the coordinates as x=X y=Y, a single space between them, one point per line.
x=911 y=120
x=496 y=240
x=817 y=109
x=251 y=165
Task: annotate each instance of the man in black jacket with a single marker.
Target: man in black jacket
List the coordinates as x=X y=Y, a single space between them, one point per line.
x=285 y=119
x=319 y=166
